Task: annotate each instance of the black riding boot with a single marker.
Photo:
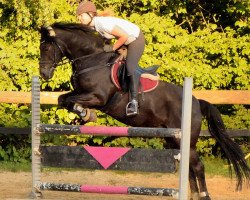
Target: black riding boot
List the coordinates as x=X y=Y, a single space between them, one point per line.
x=132 y=106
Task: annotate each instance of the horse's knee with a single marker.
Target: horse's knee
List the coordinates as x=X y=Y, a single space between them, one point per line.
x=65 y=101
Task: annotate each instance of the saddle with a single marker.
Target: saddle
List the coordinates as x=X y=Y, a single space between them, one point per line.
x=149 y=79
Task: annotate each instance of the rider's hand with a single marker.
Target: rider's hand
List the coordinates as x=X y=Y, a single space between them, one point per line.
x=108 y=48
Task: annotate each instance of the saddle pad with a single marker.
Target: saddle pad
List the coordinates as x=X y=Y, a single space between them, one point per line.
x=148 y=81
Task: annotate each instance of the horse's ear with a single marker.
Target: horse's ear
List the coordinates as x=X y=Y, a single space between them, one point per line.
x=48 y=31
x=51 y=31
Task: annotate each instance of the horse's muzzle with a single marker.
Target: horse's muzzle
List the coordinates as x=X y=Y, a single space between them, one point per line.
x=46 y=72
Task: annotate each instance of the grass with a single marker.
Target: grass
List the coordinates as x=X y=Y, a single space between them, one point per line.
x=216 y=167
x=15 y=167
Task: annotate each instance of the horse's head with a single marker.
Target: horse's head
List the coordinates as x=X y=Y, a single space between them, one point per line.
x=51 y=52
x=69 y=40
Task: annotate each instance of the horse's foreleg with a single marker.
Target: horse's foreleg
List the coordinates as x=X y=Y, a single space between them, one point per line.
x=62 y=99
x=79 y=104
x=86 y=100
x=86 y=115
x=197 y=172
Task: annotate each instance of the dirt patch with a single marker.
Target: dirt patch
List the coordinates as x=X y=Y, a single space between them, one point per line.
x=18 y=185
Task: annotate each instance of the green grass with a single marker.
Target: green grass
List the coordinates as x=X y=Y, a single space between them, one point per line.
x=216 y=167
x=15 y=167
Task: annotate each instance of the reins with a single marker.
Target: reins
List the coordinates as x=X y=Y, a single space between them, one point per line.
x=92 y=68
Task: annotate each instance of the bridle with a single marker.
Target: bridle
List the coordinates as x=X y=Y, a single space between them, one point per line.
x=65 y=60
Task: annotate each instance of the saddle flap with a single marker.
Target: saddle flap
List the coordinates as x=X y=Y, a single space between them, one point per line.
x=148 y=81
x=149 y=70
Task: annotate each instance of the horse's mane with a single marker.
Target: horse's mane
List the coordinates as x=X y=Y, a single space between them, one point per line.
x=78 y=29
x=73 y=26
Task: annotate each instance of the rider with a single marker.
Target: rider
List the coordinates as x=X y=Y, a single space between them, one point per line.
x=126 y=33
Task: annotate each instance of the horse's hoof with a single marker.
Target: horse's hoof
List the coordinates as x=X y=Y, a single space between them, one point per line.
x=90 y=116
x=205 y=198
x=93 y=116
x=195 y=196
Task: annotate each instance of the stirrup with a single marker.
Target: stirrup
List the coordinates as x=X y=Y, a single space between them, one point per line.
x=132 y=108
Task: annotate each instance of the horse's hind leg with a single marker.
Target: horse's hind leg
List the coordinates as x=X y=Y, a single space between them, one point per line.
x=197 y=173
x=193 y=184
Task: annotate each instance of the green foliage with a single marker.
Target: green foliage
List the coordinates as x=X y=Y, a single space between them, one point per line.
x=191 y=15
x=155 y=143
x=215 y=60
x=208 y=40
x=13 y=148
x=14 y=115
x=239 y=117
x=205 y=146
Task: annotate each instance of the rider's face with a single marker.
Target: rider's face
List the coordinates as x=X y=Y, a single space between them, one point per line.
x=84 y=18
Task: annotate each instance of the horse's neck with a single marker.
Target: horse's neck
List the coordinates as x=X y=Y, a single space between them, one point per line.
x=76 y=48
x=95 y=59
x=86 y=49
x=76 y=53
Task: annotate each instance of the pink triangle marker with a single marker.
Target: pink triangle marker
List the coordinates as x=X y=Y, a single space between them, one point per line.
x=106 y=156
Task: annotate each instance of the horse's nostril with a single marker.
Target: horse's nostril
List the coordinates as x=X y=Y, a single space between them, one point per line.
x=43 y=75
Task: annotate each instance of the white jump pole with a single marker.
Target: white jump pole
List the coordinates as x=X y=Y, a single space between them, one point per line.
x=185 y=138
x=36 y=159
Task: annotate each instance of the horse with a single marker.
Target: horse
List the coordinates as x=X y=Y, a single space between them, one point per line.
x=161 y=107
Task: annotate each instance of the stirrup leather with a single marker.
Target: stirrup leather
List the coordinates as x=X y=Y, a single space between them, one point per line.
x=132 y=108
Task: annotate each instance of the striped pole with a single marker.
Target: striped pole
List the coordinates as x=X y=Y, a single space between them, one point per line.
x=36 y=159
x=110 y=131
x=109 y=189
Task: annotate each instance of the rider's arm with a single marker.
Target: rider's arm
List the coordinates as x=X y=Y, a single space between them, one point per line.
x=121 y=36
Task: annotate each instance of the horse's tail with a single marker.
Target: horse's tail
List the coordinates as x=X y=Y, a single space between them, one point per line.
x=231 y=149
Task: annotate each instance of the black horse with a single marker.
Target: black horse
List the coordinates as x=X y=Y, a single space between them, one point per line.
x=161 y=107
